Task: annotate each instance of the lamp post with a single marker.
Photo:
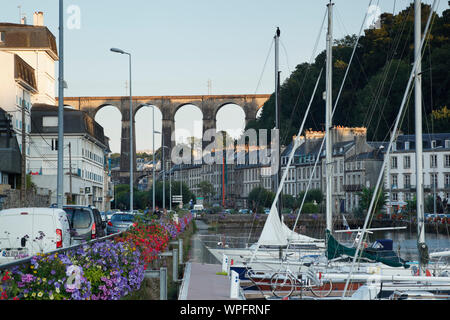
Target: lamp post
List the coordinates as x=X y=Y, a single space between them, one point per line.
x=153 y=146
x=131 y=129
x=60 y=173
x=164 y=174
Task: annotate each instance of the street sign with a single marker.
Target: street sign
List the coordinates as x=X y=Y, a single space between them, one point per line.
x=177 y=198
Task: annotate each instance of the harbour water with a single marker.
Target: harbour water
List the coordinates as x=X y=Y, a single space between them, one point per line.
x=404 y=241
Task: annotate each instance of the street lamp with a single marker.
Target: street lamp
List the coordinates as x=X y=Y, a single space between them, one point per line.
x=60 y=169
x=164 y=176
x=154 y=163
x=116 y=50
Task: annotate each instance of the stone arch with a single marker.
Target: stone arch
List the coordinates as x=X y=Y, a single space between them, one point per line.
x=196 y=128
x=143 y=105
x=230 y=124
x=181 y=105
x=142 y=125
x=93 y=111
x=109 y=125
x=223 y=104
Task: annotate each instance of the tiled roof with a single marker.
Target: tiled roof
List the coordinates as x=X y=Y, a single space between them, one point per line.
x=21 y=36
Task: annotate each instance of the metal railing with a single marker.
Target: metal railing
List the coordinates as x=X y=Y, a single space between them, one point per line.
x=75 y=246
x=176 y=254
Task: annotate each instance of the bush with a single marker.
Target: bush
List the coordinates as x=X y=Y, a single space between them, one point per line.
x=310 y=207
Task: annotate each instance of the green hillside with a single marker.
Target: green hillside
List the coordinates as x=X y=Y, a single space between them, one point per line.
x=376 y=82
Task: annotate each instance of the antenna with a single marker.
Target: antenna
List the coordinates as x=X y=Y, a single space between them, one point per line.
x=209 y=86
x=126 y=87
x=20 y=13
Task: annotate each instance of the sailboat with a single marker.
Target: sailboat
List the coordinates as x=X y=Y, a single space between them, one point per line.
x=384 y=264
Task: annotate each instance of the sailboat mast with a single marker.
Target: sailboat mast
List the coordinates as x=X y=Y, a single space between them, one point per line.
x=328 y=114
x=418 y=127
x=277 y=114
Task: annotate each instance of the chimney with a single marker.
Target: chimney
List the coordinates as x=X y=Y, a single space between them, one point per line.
x=38 y=19
x=23 y=20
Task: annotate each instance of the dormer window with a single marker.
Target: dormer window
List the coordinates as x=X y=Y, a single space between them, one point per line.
x=2 y=36
x=406 y=145
x=433 y=144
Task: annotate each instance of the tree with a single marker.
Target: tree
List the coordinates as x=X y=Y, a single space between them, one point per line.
x=312 y=195
x=186 y=192
x=440 y=119
x=288 y=201
x=206 y=189
x=365 y=197
x=260 y=197
x=376 y=80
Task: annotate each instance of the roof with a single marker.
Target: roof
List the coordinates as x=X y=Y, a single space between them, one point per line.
x=75 y=122
x=24 y=73
x=308 y=151
x=427 y=138
x=372 y=155
x=28 y=37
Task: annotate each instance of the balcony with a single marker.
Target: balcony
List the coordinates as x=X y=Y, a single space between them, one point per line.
x=353 y=187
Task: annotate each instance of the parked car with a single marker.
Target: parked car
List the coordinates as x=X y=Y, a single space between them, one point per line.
x=27 y=231
x=109 y=215
x=120 y=222
x=103 y=215
x=266 y=210
x=85 y=223
x=245 y=211
x=198 y=207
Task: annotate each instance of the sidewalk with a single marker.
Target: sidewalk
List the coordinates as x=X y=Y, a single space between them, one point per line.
x=202 y=283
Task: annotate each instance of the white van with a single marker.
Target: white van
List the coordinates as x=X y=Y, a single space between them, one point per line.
x=198 y=207
x=27 y=231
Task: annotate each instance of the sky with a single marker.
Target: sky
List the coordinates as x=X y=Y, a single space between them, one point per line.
x=177 y=46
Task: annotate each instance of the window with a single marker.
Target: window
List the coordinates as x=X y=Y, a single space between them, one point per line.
x=54 y=144
x=406 y=145
x=2 y=36
x=447 y=160
x=394 y=197
x=447 y=144
x=394 y=162
x=447 y=180
x=407 y=180
x=433 y=161
x=433 y=144
x=49 y=121
x=434 y=179
x=78 y=218
x=394 y=181
x=407 y=162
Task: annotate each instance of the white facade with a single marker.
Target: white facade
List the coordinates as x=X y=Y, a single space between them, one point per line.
x=44 y=66
x=87 y=160
x=15 y=93
x=12 y=95
x=400 y=175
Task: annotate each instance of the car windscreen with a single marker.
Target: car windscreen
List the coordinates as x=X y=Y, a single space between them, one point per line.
x=122 y=217
x=78 y=218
